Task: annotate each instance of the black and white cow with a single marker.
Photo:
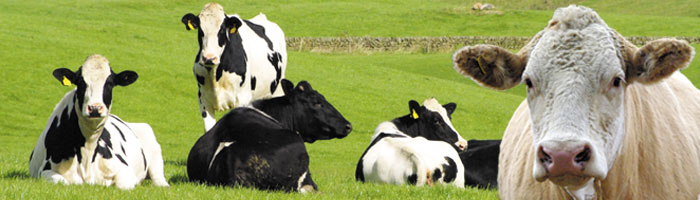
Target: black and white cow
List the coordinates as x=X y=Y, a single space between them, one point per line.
x=418 y=148
x=238 y=60
x=84 y=143
x=480 y=161
x=263 y=146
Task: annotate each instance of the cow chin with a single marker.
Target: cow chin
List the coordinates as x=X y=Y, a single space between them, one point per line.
x=570 y=180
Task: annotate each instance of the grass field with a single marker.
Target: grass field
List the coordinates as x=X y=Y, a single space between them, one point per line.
x=147 y=37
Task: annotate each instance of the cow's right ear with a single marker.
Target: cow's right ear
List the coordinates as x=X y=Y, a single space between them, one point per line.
x=65 y=76
x=490 y=66
x=287 y=87
x=414 y=108
x=191 y=21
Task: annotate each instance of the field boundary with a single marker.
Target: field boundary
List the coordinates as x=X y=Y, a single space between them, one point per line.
x=421 y=44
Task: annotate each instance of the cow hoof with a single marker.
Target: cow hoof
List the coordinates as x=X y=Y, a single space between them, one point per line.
x=307 y=189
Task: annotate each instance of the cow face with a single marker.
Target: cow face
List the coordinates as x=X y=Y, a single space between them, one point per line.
x=576 y=72
x=433 y=122
x=95 y=80
x=213 y=29
x=315 y=119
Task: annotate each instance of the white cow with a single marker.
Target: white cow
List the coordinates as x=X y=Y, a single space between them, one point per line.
x=84 y=143
x=602 y=118
x=399 y=152
x=238 y=60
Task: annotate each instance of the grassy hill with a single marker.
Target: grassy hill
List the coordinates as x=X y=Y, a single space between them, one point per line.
x=147 y=37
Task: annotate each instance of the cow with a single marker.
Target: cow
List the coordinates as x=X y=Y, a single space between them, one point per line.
x=602 y=118
x=262 y=145
x=84 y=143
x=480 y=161
x=238 y=60
x=417 y=148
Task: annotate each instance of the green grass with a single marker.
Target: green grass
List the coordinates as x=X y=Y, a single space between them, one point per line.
x=147 y=37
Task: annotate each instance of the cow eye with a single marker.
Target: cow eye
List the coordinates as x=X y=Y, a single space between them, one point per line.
x=528 y=82
x=317 y=105
x=616 y=82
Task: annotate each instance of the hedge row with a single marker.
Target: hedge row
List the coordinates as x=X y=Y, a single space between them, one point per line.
x=419 y=44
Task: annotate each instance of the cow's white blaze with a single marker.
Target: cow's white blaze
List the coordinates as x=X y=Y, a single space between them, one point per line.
x=573 y=99
x=210 y=19
x=433 y=105
x=95 y=71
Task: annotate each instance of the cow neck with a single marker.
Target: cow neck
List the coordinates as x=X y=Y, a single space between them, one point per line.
x=281 y=109
x=407 y=125
x=91 y=129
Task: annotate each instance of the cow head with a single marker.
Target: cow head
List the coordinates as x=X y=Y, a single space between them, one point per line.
x=315 y=118
x=433 y=122
x=95 y=80
x=214 y=29
x=576 y=71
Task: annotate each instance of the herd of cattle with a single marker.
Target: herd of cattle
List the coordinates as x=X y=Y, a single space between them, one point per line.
x=602 y=119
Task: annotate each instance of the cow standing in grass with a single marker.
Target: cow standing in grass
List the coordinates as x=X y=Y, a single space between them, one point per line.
x=602 y=119
x=263 y=146
x=418 y=148
x=238 y=60
x=84 y=143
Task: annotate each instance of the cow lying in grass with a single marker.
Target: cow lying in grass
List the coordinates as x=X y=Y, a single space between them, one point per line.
x=480 y=162
x=263 y=146
x=418 y=149
x=84 y=143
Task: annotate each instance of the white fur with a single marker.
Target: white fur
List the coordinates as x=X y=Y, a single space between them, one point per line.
x=227 y=93
x=392 y=160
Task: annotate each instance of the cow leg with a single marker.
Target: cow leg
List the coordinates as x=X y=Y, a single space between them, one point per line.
x=53 y=177
x=155 y=170
x=150 y=146
x=207 y=115
x=125 y=179
x=306 y=185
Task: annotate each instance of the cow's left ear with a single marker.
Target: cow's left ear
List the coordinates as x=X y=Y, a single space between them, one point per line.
x=287 y=87
x=229 y=26
x=658 y=59
x=414 y=108
x=450 y=108
x=65 y=76
x=125 y=78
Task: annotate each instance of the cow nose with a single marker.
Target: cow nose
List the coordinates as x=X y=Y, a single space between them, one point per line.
x=564 y=161
x=462 y=145
x=95 y=110
x=348 y=128
x=208 y=59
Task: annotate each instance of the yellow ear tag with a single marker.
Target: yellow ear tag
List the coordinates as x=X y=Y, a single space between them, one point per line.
x=414 y=114
x=478 y=60
x=233 y=30
x=66 y=82
x=189 y=24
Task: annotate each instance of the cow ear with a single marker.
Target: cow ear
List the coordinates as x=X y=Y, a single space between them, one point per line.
x=65 y=76
x=414 y=108
x=450 y=108
x=229 y=26
x=125 y=78
x=658 y=59
x=191 y=21
x=490 y=66
x=287 y=87
x=304 y=86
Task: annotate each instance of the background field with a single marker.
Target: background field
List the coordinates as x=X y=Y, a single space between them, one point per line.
x=147 y=37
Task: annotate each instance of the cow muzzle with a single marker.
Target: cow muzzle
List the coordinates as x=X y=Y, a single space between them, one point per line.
x=566 y=163
x=209 y=59
x=96 y=110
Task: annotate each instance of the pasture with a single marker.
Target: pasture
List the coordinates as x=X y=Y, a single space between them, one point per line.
x=147 y=37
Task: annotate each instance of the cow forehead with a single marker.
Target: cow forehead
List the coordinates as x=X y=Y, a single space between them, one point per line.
x=433 y=105
x=576 y=40
x=211 y=17
x=95 y=69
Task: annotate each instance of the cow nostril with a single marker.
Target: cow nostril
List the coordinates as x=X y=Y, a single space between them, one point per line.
x=348 y=128
x=584 y=155
x=543 y=156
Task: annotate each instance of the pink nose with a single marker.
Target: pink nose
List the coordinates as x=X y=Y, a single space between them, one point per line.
x=95 y=110
x=208 y=59
x=571 y=161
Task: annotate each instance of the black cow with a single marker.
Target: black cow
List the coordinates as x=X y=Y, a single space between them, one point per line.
x=263 y=146
x=481 y=163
